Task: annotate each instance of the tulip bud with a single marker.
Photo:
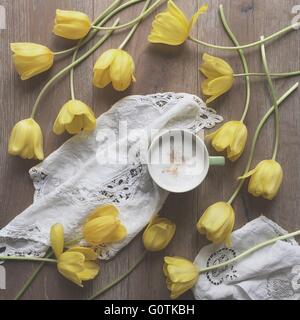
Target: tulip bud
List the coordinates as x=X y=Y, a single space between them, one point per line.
x=103 y=226
x=217 y=223
x=158 y=234
x=114 y=66
x=181 y=275
x=72 y=25
x=219 y=77
x=74 y=116
x=265 y=179
x=57 y=239
x=232 y=137
x=31 y=59
x=172 y=27
x=26 y=140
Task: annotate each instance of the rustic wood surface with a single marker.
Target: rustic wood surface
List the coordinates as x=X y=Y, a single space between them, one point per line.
x=158 y=69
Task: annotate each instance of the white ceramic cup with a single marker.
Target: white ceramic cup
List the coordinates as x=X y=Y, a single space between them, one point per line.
x=178 y=160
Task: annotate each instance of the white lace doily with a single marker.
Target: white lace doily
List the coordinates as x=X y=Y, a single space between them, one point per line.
x=70 y=182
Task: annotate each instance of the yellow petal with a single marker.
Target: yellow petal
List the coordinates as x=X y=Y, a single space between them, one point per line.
x=88 y=253
x=70 y=264
x=57 y=239
x=195 y=17
x=104 y=210
x=90 y=271
x=99 y=230
x=121 y=71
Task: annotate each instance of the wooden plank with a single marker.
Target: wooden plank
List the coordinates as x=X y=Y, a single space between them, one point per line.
x=158 y=69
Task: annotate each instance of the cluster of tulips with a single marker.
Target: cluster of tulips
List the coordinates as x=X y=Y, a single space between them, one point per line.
x=116 y=67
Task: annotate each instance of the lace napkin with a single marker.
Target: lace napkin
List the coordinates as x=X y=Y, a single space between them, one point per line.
x=271 y=273
x=74 y=179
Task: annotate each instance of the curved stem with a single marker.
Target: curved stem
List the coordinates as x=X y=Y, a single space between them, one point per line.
x=106 y=12
x=274 y=98
x=132 y=22
x=274 y=75
x=249 y=45
x=16 y=258
x=66 y=69
x=123 y=276
x=256 y=135
x=244 y=61
x=132 y=31
x=38 y=269
x=31 y=278
x=249 y=251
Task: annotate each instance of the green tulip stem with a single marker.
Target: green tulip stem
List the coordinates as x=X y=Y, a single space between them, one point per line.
x=134 y=21
x=249 y=251
x=289 y=28
x=100 y=20
x=39 y=268
x=274 y=98
x=67 y=68
x=132 y=31
x=31 y=278
x=273 y=75
x=243 y=59
x=123 y=276
x=35 y=259
x=256 y=135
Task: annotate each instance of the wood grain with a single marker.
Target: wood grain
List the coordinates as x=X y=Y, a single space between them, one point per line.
x=159 y=69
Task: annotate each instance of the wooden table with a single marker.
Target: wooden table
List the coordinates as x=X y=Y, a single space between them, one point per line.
x=158 y=69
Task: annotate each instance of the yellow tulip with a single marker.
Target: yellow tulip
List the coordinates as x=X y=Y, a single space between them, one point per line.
x=232 y=137
x=72 y=25
x=219 y=77
x=181 y=275
x=57 y=239
x=114 y=66
x=158 y=234
x=77 y=264
x=265 y=179
x=172 y=27
x=217 y=223
x=31 y=59
x=26 y=140
x=103 y=226
x=74 y=116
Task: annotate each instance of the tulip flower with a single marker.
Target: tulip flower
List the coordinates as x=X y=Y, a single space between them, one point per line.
x=217 y=223
x=219 y=77
x=265 y=179
x=31 y=59
x=181 y=275
x=103 y=226
x=172 y=27
x=72 y=25
x=75 y=264
x=232 y=137
x=114 y=66
x=158 y=234
x=74 y=116
x=57 y=239
x=26 y=140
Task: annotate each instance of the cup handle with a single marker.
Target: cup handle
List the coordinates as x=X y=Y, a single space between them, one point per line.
x=217 y=161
